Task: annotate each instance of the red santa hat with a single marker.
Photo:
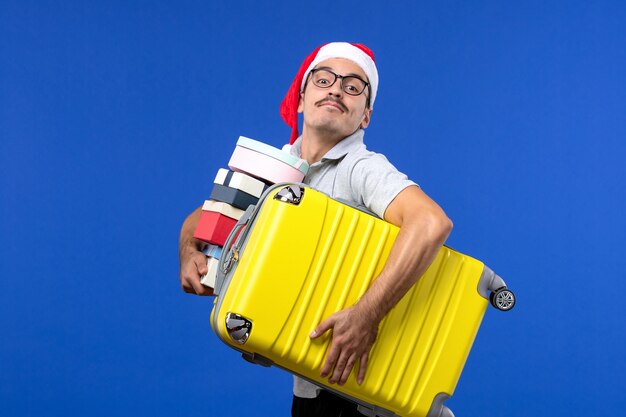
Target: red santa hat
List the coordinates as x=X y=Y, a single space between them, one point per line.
x=357 y=53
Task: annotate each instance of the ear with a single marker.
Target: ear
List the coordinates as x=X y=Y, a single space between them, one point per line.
x=367 y=115
x=301 y=103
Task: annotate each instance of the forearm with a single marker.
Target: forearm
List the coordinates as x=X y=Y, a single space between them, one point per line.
x=415 y=248
x=192 y=261
x=186 y=240
x=423 y=229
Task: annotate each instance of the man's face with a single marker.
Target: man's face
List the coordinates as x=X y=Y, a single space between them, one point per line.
x=331 y=110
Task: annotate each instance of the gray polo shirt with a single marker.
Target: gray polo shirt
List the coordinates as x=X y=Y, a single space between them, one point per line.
x=362 y=178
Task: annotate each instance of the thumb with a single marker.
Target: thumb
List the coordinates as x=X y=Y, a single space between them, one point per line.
x=323 y=327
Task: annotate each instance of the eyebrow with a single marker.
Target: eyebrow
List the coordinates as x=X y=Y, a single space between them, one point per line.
x=352 y=74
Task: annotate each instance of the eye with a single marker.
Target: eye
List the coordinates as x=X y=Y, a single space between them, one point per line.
x=353 y=85
x=323 y=78
x=322 y=82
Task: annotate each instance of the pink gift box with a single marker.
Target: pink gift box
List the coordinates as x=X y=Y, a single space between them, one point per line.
x=263 y=166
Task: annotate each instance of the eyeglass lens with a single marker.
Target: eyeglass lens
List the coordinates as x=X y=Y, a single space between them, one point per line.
x=349 y=84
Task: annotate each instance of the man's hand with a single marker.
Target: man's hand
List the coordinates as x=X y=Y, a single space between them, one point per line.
x=192 y=261
x=192 y=267
x=353 y=334
x=423 y=229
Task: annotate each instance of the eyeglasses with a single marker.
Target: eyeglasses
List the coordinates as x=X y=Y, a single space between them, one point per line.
x=350 y=84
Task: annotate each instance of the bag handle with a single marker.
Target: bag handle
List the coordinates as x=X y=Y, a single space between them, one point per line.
x=230 y=255
x=230 y=251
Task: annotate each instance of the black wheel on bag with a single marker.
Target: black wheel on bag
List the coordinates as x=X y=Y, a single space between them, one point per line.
x=503 y=299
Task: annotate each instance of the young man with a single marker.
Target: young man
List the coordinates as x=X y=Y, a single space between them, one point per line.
x=335 y=90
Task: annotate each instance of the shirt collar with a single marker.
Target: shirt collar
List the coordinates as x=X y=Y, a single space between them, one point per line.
x=338 y=151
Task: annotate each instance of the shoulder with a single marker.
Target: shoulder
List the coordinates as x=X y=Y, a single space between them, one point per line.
x=373 y=180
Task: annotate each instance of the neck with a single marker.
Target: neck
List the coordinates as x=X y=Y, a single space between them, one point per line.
x=316 y=144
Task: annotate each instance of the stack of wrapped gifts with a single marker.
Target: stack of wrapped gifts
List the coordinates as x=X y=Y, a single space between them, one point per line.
x=253 y=167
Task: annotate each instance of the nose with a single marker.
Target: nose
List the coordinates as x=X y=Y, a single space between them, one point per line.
x=337 y=88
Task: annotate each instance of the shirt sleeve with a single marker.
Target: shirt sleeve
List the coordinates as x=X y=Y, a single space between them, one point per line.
x=375 y=182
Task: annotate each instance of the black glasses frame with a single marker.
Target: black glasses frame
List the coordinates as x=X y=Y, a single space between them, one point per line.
x=367 y=85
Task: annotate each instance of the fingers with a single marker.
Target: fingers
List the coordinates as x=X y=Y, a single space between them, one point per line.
x=340 y=366
x=346 y=371
x=340 y=360
x=340 y=363
x=323 y=327
x=344 y=367
x=200 y=289
x=352 y=339
x=191 y=271
x=333 y=355
x=200 y=260
x=362 y=368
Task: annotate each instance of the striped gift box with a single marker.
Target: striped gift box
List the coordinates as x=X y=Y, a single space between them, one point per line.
x=237 y=189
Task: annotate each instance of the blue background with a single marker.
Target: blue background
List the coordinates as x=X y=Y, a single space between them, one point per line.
x=115 y=116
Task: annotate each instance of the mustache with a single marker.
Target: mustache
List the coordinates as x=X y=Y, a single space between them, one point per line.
x=334 y=100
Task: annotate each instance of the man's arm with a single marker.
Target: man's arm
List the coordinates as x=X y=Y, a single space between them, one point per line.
x=192 y=260
x=424 y=227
